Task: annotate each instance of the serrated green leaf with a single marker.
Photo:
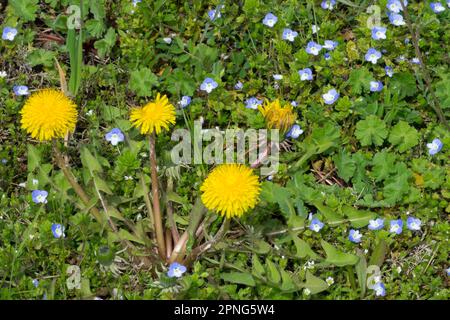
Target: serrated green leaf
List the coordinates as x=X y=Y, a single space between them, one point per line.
x=272 y=272
x=25 y=9
x=142 y=80
x=336 y=257
x=239 y=277
x=314 y=284
x=404 y=136
x=345 y=165
x=358 y=218
x=303 y=248
x=370 y=131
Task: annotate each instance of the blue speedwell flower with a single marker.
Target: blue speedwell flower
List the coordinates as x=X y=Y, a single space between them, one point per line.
x=437 y=7
x=413 y=224
x=135 y=2
x=289 y=35
x=313 y=48
x=305 y=74
x=35 y=283
x=328 y=4
x=316 y=225
x=355 y=236
x=376 y=224
x=448 y=269
x=239 y=85
x=389 y=71
x=208 y=85
x=435 y=146
x=330 y=45
x=9 y=33
x=252 y=103
x=213 y=14
x=396 y=226
x=270 y=20
x=395 y=5
x=396 y=19
x=376 y=86
x=294 y=103
x=277 y=77
x=58 y=230
x=21 y=90
x=373 y=55
x=185 y=101
x=39 y=196
x=379 y=289
x=331 y=96
x=415 y=61
x=114 y=136
x=176 y=270
x=294 y=132
x=327 y=56
x=378 y=33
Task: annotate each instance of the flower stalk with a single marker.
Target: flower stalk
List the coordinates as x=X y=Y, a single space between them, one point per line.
x=157 y=218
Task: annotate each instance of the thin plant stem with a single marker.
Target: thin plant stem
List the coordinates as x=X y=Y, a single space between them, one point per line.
x=60 y=161
x=415 y=40
x=157 y=218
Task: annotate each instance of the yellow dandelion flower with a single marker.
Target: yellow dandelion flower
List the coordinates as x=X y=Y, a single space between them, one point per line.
x=154 y=116
x=230 y=190
x=278 y=117
x=48 y=114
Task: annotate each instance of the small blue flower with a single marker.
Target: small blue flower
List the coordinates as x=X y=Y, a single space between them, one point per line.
x=355 y=236
x=376 y=224
x=378 y=33
x=305 y=74
x=379 y=289
x=58 y=230
x=389 y=71
x=435 y=146
x=313 y=48
x=176 y=270
x=253 y=103
x=328 y=4
x=331 y=96
x=437 y=7
x=448 y=269
x=270 y=20
x=413 y=224
x=373 y=55
x=376 y=86
x=415 y=61
x=185 y=101
x=289 y=35
x=4 y=161
x=39 y=196
x=213 y=15
x=327 y=56
x=208 y=85
x=114 y=136
x=316 y=225
x=239 y=85
x=294 y=132
x=21 y=90
x=9 y=33
x=396 y=226
x=330 y=45
x=135 y=2
x=277 y=77
x=35 y=283
x=396 y=19
x=448 y=3
x=395 y=5
x=294 y=103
